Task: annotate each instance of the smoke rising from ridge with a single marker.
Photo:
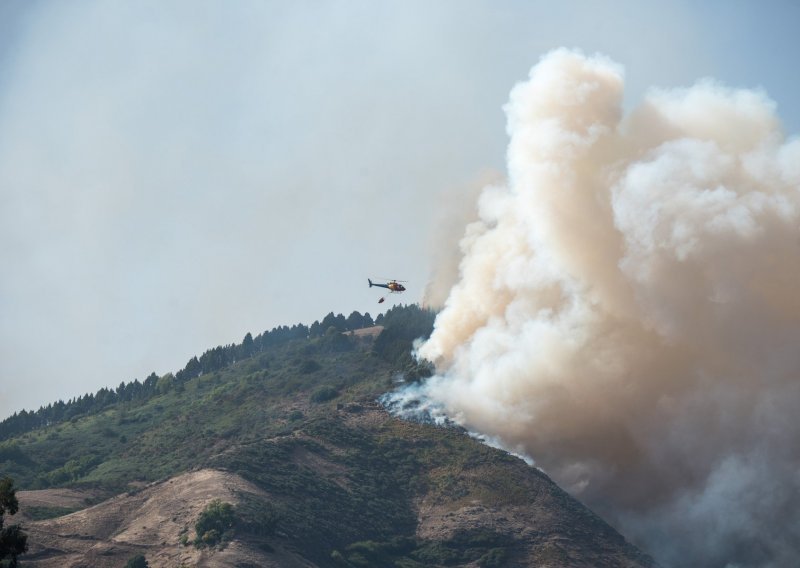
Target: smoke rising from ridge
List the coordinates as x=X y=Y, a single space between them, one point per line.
x=627 y=310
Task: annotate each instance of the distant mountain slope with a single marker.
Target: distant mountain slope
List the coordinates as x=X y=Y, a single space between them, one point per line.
x=319 y=474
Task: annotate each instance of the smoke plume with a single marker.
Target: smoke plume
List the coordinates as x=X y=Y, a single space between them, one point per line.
x=457 y=207
x=627 y=310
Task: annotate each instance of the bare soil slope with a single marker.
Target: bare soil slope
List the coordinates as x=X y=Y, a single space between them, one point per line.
x=150 y=521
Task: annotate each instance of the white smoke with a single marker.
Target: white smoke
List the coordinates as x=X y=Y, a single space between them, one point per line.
x=627 y=310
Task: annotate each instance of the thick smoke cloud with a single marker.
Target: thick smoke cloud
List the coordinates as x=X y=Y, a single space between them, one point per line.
x=627 y=310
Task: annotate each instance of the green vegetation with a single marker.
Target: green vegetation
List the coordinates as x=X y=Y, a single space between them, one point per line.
x=212 y=360
x=138 y=561
x=13 y=541
x=324 y=394
x=487 y=548
x=166 y=425
x=215 y=524
x=42 y=513
x=402 y=325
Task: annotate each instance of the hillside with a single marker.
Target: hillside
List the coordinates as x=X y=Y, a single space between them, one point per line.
x=318 y=473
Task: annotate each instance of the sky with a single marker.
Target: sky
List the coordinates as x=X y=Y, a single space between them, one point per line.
x=176 y=175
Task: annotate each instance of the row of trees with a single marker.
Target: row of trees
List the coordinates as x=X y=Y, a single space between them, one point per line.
x=223 y=356
x=53 y=413
x=210 y=361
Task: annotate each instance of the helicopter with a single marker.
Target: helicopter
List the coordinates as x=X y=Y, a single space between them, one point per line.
x=391 y=285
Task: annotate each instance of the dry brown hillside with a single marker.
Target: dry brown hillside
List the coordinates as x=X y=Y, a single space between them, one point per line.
x=150 y=521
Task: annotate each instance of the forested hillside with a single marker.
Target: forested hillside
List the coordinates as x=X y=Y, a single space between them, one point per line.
x=108 y=438
x=212 y=360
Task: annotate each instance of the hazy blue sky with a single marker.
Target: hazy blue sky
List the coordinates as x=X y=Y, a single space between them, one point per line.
x=176 y=174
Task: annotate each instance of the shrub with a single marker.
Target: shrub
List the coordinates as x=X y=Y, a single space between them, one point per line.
x=138 y=561
x=494 y=558
x=324 y=394
x=215 y=523
x=257 y=518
